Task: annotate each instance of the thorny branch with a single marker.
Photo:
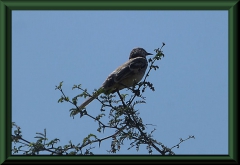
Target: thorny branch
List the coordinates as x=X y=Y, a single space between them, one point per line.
x=123 y=118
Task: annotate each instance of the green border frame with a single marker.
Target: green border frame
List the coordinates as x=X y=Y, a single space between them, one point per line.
x=6 y=7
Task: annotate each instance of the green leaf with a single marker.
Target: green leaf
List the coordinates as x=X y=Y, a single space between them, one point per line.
x=66 y=98
x=40 y=134
x=74 y=86
x=59 y=86
x=61 y=99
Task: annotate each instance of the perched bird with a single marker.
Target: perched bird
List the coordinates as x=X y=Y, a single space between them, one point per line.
x=126 y=75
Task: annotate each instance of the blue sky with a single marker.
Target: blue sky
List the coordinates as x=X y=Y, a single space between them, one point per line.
x=84 y=47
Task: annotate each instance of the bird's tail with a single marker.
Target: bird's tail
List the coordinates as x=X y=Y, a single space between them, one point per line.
x=86 y=102
x=90 y=99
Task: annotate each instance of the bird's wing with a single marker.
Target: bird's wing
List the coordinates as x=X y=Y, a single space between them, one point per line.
x=124 y=71
x=129 y=68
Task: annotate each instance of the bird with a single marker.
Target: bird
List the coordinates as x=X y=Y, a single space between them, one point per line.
x=125 y=76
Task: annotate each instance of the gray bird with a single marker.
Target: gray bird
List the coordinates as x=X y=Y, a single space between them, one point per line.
x=126 y=75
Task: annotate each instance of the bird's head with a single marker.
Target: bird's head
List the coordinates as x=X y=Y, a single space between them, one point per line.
x=138 y=52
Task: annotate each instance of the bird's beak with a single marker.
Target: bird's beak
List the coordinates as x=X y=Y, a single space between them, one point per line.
x=149 y=54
